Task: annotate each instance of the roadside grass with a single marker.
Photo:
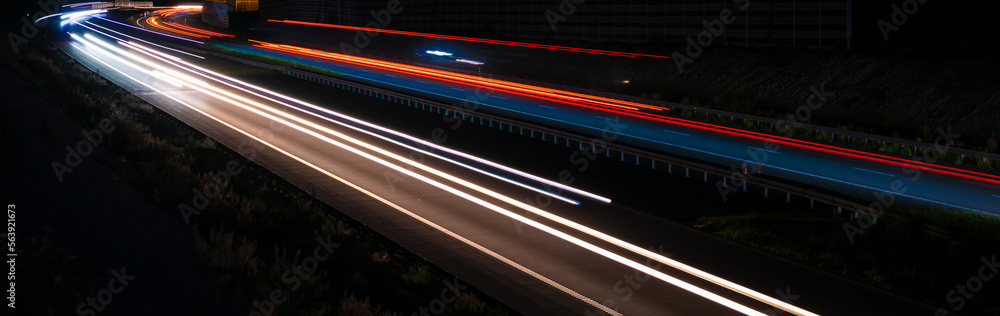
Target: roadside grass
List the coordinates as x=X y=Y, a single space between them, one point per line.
x=259 y=226
x=920 y=253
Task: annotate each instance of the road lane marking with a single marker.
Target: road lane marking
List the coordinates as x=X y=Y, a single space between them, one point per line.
x=876 y=172
x=501 y=98
x=547 y=107
x=764 y=150
x=453 y=88
x=679 y=133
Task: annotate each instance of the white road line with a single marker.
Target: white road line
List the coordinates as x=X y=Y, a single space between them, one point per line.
x=875 y=172
x=679 y=133
x=547 y=107
x=765 y=150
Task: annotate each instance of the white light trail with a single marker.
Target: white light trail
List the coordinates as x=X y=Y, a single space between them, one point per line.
x=608 y=254
x=73 y=15
x=613 y=240
x=48 y=16
x=438 y=53
x=425 y=152
x=387 y=130
x=469 y=61
x=471 y=198
x=369 y=193
x=141 y=40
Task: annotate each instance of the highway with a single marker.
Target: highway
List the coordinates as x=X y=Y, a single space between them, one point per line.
x=855 y=173
x=575 y=256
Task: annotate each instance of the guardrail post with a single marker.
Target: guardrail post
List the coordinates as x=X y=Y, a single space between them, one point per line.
x=744 y=186
x=788 y=198
x=705 y=179
x=812 y=204
x=765 y=192
x=687 y=172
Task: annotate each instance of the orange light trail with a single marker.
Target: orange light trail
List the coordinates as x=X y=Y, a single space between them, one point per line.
x=154 y=22
x=473 y=39
x=469 y=80
x=178 y=28
x=625 y=108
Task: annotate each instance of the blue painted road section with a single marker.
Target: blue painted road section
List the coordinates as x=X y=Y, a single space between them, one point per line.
x=854 y=177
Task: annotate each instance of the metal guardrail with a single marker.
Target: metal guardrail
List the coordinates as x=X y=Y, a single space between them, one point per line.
x=760 y=119
x=529 y=129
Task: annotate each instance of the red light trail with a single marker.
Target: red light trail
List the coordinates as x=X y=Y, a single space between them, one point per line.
x=625 y=108
x=472 y=39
